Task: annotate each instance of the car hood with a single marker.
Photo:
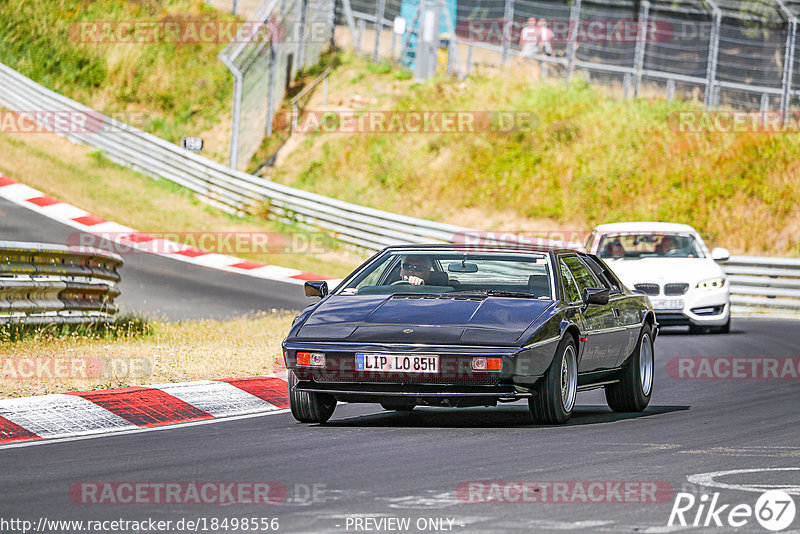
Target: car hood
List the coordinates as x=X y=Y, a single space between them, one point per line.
x=664 y=270
x=422 y=319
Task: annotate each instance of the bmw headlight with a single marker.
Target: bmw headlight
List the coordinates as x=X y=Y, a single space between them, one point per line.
x=711 y=284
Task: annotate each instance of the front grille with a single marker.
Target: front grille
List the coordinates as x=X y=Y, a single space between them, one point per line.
x=671 y=319
x=648 y=289
x=340 y=367
x=676 y=289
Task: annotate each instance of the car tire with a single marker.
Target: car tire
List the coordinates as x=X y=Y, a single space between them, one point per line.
x=556 y=392
x=309 y=407
x=632 y=393
x=724 y=329
x=398 y=405
x=695 y=329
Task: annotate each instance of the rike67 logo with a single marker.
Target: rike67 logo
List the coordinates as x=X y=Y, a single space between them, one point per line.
x=774 y=510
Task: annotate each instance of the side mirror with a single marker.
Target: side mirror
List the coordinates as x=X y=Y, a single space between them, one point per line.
x=596 y=295
x=316 y=289
x=720 y=254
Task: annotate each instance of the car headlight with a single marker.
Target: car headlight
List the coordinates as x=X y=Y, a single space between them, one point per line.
x=711 y=284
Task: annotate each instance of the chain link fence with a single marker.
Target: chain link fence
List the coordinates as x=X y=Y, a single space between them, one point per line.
x=284 y=37
x=725 y=53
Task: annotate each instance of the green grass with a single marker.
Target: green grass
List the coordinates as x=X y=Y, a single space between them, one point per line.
x=86 y=179
x=161 y=351
x=125 y=325
x=182 y=87
x=590 y=158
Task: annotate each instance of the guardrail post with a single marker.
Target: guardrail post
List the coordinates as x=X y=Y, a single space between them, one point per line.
x=271 y=90
x=641 y=41
x=574 y=21
x=508 y=22
x=236 y=118
x=351 y=23
x=409 y=31
x=378 y=28
x=452 y=50
x=670 y=90
x=301 y=36
x=360 y=25
x=788 y=69
x=713 y=55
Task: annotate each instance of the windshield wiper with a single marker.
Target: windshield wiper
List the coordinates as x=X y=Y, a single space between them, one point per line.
x=494 y=293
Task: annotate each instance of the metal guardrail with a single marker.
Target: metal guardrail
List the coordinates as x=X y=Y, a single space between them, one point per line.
x=42 y=283
x=772 y=283
x=229 y=189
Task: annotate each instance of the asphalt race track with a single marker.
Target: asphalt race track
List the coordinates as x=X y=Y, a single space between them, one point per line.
x=163 y=287
x=367 y=464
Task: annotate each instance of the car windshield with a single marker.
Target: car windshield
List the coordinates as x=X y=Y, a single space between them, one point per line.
x=649 y=245
x=522 y=275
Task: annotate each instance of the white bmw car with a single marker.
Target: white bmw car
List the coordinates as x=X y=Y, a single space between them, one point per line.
x=673 y=266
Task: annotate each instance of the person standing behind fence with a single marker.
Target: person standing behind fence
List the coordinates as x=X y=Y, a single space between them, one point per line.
x=545 y=38
x=529 y=39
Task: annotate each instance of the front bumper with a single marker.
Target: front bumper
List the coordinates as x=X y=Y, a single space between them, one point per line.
x=522 y=366
x=419 y=394
x=700 y=308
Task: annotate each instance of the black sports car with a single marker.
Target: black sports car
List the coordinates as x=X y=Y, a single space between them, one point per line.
x=472 y=326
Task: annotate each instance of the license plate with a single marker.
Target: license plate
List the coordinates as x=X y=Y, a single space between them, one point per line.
x=394 y=363
x=667 y=304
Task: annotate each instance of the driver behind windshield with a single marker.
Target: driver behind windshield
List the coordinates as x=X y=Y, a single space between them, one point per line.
x=416 y=270
x=666 y=245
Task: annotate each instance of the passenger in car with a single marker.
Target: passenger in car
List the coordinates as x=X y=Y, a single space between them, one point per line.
x=614 y=250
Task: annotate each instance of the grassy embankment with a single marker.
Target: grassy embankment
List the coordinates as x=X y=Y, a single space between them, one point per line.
x=176 y=89
x=182 y=89
x=137 y=352
x=68 y=172
x=592 y=158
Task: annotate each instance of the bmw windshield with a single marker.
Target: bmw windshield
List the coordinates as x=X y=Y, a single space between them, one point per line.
x=649 y=245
